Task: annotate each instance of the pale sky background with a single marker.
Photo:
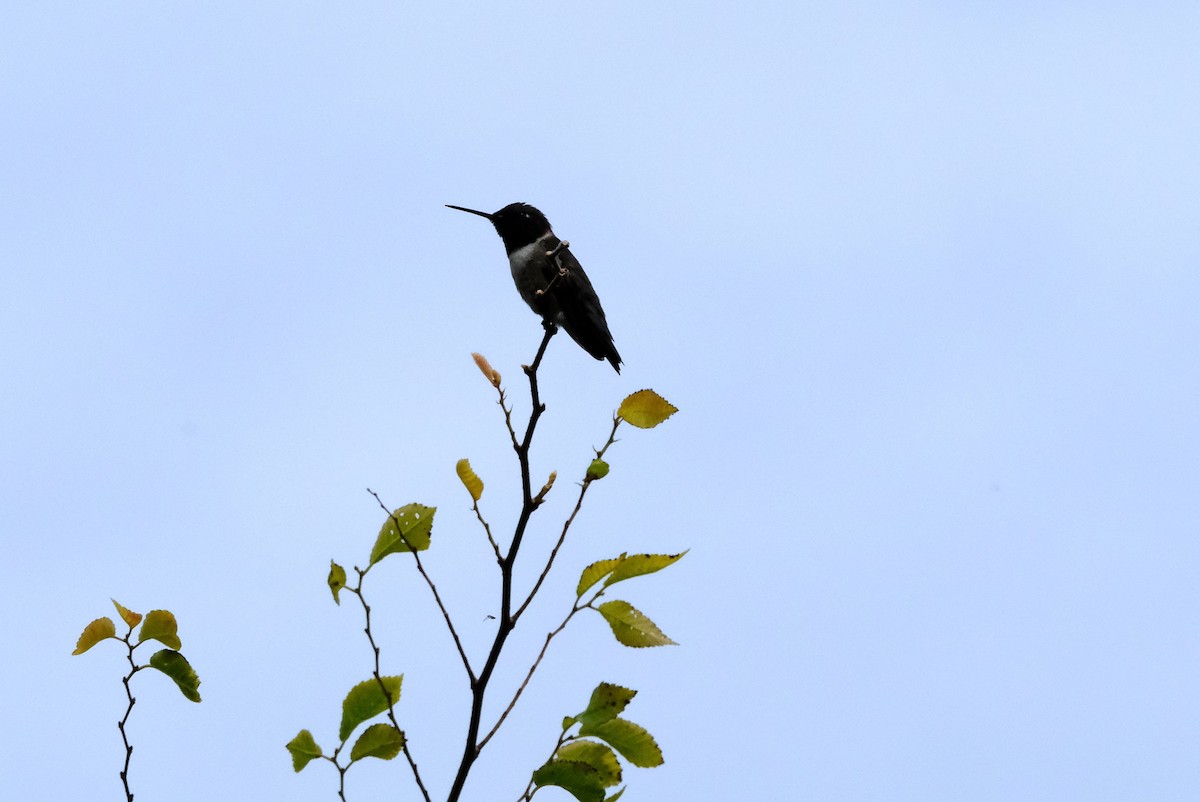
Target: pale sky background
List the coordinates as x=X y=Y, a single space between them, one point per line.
x=922 y=278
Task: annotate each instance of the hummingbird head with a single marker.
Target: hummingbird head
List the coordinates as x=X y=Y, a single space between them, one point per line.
x=518 y=224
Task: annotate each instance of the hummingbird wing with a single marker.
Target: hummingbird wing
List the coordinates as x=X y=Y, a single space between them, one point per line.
x=582 y=314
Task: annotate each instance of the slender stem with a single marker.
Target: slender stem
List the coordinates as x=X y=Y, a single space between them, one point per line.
x=133 y=669
x=488 y=530
x=391 y=708
x=583 y=488
x=530 y=790
x=505 y=621
x=341 y=770
x=512 y=433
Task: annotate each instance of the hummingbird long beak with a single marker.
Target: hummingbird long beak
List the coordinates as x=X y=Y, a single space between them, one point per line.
x=471 y=211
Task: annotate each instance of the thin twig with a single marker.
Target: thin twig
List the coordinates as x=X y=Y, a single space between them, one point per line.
x=530 y=790
x=488 y=530
x=133 y=669
x=341 y=770
x=391 y=703
x=528 y=676
x=508 y=419
x=432 y=587
x=587 y=482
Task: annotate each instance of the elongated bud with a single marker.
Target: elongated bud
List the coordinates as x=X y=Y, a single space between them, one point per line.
x=470 y=480
x=490 y=373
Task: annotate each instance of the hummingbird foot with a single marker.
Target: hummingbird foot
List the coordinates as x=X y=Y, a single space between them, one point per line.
x=562 y=271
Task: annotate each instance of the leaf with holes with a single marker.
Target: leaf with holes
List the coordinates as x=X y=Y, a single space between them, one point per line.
x=406 y=529
x=631 y=627
x=608 y=701
x=633 y=741
x=336 y=580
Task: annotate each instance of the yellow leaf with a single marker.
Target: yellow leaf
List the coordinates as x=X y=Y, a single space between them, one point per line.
x=95 y=632
x=130 y=618
x=336 y=580
x=631 y=627
x=645 y=409
x=595 y=572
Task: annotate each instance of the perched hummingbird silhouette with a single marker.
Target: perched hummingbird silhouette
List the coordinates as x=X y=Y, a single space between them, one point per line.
x=550 y=278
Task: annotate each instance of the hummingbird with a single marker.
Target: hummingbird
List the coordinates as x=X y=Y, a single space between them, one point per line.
x=550 y=278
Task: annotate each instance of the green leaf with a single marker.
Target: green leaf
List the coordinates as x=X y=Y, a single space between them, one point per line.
x=594 y=573
x=176 y=666
x=130 y=618
x=95 y=632
x=160 y=626
x=470 y=480
x=415 y=524
x=615 y=796
x=624 y=567
x=633 y=742
x=365 y=701
x=631 y=627
x=645 y=409
x=597 y=470
x=597 y=755
x=336 y=580
x=640 y=565
x=607 y=702
x=578 y=779
x=379 y=740
x=303 y=749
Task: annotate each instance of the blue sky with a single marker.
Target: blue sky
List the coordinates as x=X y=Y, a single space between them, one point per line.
x=922 y=279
